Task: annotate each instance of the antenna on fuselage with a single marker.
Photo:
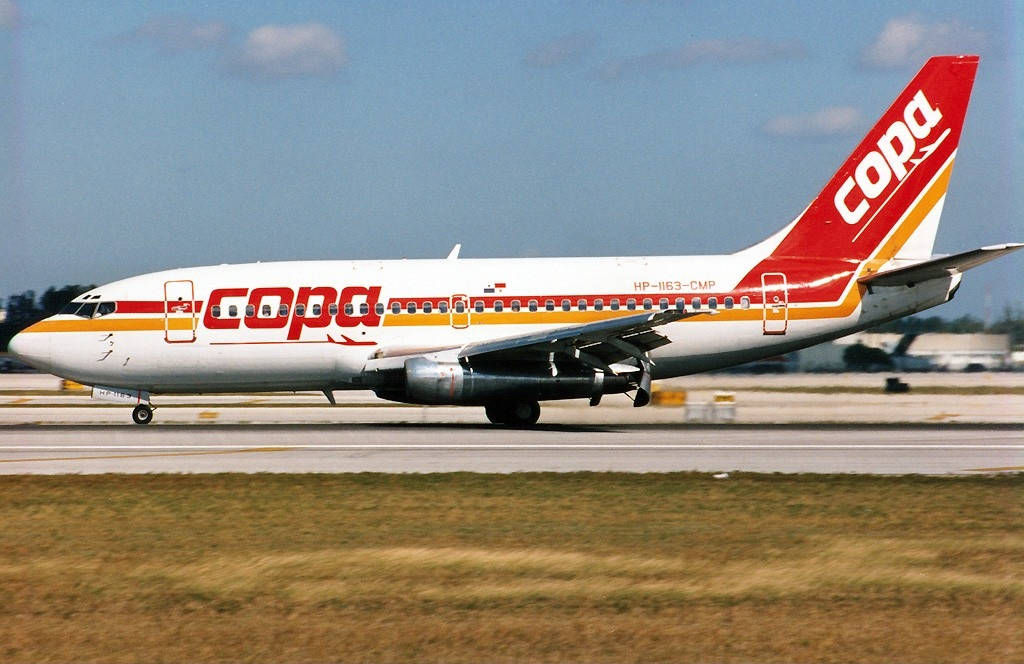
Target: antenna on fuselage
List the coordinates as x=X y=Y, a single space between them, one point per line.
x=454 y=253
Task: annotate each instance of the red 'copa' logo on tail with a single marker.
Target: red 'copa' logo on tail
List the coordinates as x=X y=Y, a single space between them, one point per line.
x=896 y=148
x=279 y=307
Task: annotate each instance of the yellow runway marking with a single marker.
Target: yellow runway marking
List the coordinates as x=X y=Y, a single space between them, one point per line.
x=144 y=456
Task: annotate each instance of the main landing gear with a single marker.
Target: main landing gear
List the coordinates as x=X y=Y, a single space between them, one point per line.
x=143 y=413
x=515 y=413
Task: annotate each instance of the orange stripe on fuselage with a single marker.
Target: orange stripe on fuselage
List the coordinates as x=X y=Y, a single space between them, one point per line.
x=109 y=325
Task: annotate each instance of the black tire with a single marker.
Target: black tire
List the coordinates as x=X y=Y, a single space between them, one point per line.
x=142 y=414
x=496 y=413
x=522 y=413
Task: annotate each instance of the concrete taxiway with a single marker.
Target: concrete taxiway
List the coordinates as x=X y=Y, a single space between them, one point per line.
x=925 y=449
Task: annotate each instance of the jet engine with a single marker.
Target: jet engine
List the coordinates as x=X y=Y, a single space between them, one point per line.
x=452 y=383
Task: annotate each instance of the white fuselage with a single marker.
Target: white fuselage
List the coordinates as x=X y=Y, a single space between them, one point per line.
x=163 y=336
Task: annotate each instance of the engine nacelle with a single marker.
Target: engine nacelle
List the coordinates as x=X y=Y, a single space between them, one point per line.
x=430 y=382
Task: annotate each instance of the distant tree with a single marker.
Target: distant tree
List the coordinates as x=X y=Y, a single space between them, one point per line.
x=965 y=325
x=54 y=299
x=1012 y=323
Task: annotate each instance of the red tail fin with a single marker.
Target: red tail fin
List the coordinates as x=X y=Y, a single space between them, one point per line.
x=886 y=199
x=896 y=176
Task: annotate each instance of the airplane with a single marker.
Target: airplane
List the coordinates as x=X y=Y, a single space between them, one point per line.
x=506 y=334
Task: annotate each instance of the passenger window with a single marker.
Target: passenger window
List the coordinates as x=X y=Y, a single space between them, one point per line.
x=744 y=302
x=427 y=307
x=442 y=307
x=364 y=308
x=680 y=303
x=598 y=305
x=663 y=303
x=411 y=307
x=105 y=308
x=396 y=307
x=728 y=303
x=713 y=302
x=250 y=310
x=498 y=305
x=347 y=309
x=695 y=303
x=581 y=305
x=316 y=309
x=631 y=304
x=460 y=307
x=566 y=305
x=549 y=305
x=332 y=309
x=615 y=304
x=515 y=305
x=266 y=311
x=282 y=311
x=478 y=306
x=647 y=303
x=300 y=310
x=215 y=311
x=233 y=311
x=378 y=309
x=532 y=304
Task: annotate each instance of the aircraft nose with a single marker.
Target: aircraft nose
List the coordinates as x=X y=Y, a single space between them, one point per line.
x=31 y=348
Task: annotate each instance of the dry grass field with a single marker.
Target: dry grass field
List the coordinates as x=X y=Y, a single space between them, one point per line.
x=503 y=568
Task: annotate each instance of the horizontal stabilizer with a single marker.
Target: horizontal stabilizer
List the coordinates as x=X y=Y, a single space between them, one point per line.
x=938 y=268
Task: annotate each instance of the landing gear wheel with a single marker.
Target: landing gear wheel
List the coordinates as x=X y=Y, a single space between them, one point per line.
x=523 y=413
x=495 y=413
x=142 y=414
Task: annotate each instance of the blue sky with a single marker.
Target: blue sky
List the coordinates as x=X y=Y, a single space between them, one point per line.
x=148 y=135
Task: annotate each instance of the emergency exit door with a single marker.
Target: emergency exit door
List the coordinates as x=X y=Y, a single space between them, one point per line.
x=776 y=302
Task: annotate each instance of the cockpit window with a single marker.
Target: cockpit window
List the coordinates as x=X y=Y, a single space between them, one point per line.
x=87 y=310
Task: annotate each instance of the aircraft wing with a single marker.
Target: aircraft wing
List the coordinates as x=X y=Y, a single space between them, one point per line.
x=938 y=268
x=603 y=346
x=600 y=344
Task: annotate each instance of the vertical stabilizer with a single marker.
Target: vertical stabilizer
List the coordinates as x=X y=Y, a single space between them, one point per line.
x=886 y=198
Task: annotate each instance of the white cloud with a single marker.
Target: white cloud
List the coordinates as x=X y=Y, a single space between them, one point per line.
x=560 y=50
x=909 y=41
x=9 y=14
x=278 y=51
x=707 y=51
x=180 y=33
x=831 y=121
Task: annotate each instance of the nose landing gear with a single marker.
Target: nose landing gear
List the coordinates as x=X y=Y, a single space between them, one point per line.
x=143 y=413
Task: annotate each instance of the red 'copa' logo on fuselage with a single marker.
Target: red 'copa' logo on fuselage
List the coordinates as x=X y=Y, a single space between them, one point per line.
x=280 y=306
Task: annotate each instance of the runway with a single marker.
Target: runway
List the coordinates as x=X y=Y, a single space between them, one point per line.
x=933 y=449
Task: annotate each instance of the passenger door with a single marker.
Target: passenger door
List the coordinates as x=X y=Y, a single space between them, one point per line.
x=179 y=311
